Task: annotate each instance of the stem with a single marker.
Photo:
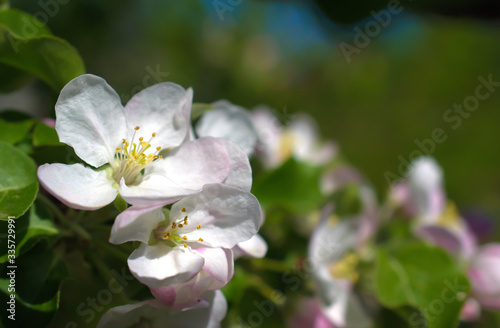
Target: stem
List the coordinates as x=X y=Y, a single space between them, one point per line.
x=62 y=218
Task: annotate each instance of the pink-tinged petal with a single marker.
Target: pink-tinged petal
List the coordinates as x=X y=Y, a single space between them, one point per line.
x=425 y=179
x=77 y=186
x=368 y=218
x=253 y=247
x=160 y=265
x=471 y=310
x=440 y=236
x=219 y=263
x=226 y=215
x=49 y=122
x=339 y=177
x=136 y=224
x=188 y=294
x=160 y=108
x=152 y=313
x=308 y=314
x=484 y=274
x=230 y=122
x=90 y=118
x=240 y=175
x=457 y=240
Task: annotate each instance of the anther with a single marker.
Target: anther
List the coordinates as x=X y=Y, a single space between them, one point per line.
x=185 y=245
x=199 y=226
x=201 y=239
x=185 y=238
x=118 y=149
x=183 y=209
x=141 y=138
x=137 y=128
x=180 y=225
x=158 y=148
x=154 y=134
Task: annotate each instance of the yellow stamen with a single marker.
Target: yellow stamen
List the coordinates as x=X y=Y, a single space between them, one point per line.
x=201 y=239
x=137 y=128
x=198 y=226
x=185 y=245
x=185 y=238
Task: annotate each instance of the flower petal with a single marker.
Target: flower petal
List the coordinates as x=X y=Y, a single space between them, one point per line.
x=90 y=118
x=156 y=314
x=136 y=224
x=230 y=122
x=160 y=109
x=183 y=172
x=240 y=175
x=425 y=179
x=188 y=294
x=160 y=265
x=77 y=186
x=227 y=215
x=331 y=239
x=253 y=247
x=219 y=263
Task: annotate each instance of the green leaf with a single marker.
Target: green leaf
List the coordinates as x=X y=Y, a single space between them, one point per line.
x=13 y=132
x=33 y=227
x=197 y=109
x=38 y=278
x=25 y=43
x=19 y=185
x=294 y=185
x=44 y=135
x=424 y=278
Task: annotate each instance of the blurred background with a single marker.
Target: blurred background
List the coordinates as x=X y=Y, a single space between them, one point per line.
x=381 y=78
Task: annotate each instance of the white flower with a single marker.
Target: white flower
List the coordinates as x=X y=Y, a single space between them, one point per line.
x=333 y=251
x=427 y=197
x=216 y=272
x=122 y=142
x=298 y=138
x=153 y=314
x=230 y=122
x=172 y=252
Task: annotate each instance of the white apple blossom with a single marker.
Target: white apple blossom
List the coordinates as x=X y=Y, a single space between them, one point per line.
x=427 y=199
x=197 y=235
x=124 y=146
x=230 y=122
x=333 y=250
x=298 y=138
x=216 y=272
x=153 y=314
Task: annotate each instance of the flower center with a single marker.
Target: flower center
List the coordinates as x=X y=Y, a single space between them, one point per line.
x=345 y=268
x=131 y=159
x=449 y=217
x=177 y=230
x=286 y=145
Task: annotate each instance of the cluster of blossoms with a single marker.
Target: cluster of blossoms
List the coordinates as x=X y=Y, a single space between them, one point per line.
x=437 y=221
x=191 y=212
x=190 y=197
